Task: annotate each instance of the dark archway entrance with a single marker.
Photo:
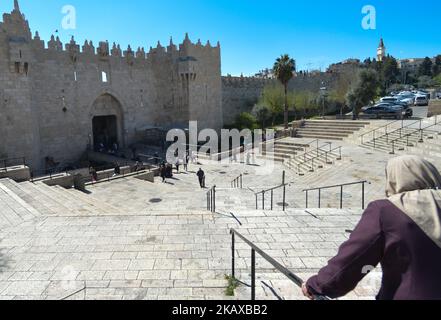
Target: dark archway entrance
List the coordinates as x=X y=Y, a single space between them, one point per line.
x=107 y=123
x=105 y=132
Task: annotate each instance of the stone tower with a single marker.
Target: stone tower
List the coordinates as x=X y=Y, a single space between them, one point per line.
x=57 y=101
x=381 y=51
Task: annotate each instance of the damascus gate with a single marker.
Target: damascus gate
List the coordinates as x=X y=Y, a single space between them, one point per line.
x=57 y=100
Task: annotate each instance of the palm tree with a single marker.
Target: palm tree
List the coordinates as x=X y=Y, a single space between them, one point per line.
x=284 y=69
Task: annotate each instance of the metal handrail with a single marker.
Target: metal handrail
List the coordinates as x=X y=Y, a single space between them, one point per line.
x=237 y=182
x=316 y=150
x=392 y=132
x=341 y=186
x=211 y=200
x=419 y=131
x=264 y=192
x=7 y=160
x=319 y=156
x=379 y=128
x=255 y=249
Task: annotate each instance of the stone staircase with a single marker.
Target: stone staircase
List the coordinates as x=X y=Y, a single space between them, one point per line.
x=312 y=161
x=14 y=210
x=329 y=129
x=45 y=200
x=283 y=150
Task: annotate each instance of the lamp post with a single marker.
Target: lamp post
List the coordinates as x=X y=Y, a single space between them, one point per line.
x=324 y=94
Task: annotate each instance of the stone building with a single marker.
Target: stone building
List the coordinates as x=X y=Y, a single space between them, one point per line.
x=56 y=101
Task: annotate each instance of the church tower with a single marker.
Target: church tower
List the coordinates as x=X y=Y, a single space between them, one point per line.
x=381 y=51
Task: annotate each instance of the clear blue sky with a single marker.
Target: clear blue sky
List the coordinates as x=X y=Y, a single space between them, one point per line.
x=252 y=33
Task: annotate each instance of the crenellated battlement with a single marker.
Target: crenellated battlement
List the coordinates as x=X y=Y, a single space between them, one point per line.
x=242 y=81
x=16 y=26
x=105 y=50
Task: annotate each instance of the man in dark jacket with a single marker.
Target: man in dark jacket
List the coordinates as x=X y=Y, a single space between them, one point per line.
x=201 y=177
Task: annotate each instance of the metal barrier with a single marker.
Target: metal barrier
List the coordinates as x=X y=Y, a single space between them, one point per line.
x=211 y=199
x=379 y=128
x=10 y=162
x=341 y=186
x=254 y=249
x=238 y=182
x=419 y=132
x=321 y=153
x=271 y=191
x=399 y=131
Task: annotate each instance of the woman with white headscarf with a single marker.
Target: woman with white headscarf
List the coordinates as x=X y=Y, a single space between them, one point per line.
x=402 y=233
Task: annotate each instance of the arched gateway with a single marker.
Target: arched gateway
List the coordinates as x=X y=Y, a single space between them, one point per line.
x=107 y=122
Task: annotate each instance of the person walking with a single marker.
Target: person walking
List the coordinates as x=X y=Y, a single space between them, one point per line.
x=186 y=160
x=178 y=164
x=93 y=174
x=201 y=177
x=117 y=170
x=402 y=233
x=162 y=172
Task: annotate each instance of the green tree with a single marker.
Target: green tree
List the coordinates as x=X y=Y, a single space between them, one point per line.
x=246 y=120
x=284 y=69
x=364 y=91
x=425 y=68
x=262 y=114
x=272 y=98
x=389 y=71
x=425 y=82
x=436 y=69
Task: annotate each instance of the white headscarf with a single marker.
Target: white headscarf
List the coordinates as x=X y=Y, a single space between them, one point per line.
x=413 y=186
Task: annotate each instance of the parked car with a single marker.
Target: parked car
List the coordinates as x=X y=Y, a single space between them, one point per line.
x=389 y=100
x=407 y=98
x=421 y=100
x=424 y=93
x=438 y=95
x=385 y=110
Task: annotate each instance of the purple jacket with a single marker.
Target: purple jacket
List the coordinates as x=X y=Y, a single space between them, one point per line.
x=410 y=260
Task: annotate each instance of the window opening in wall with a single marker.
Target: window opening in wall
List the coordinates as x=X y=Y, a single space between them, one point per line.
x=21 y=55
x=26 y=68
x=104 y=77
x=17 y=67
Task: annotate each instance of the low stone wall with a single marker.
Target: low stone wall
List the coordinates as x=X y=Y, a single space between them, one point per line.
x=65 y=181
x=148 y=176
x=19 y=173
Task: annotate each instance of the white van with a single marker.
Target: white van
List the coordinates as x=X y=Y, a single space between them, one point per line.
x=421 y=100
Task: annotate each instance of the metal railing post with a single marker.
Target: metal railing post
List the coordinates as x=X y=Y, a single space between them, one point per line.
x=307 y=200
x=362 y=196
x=253 y=275
x=341 y=197
x=233 y=257
x=320 y=198
x=257 y=203
x=214 y=199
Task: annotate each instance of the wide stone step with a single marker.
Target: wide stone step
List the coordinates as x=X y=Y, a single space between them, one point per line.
x=14 y=210
x=36 y=198
x=342 y=128
x=320 y=136
x=75 y=206
x=46 y=202
x=99 y=205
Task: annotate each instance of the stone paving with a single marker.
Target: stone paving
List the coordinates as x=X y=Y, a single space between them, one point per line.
x=131 y=239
